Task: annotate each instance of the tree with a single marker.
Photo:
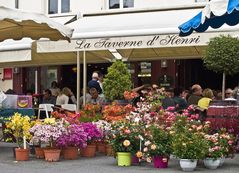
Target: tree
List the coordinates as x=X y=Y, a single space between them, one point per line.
x=222 y=56
x=117 y=81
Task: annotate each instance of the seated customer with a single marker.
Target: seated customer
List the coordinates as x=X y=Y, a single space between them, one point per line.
x=48 y=98
x=203 y=103
x=95 y=98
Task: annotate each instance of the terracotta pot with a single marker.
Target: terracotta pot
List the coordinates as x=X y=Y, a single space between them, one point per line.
x=70 y=153
x=89 y=151
x=22 y=154
x=39 y=153
x=101 y=147
x=52 y=155
x=109 y=150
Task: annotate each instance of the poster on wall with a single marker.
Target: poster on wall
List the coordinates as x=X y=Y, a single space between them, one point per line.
x=7 y=73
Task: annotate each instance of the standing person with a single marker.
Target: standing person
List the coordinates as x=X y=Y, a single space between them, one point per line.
x=100 y=80
x=196 y=91
x=54 y=89
x=93 y=83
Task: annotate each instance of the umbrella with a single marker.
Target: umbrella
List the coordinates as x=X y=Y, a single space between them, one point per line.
x=215 y=14
x=16 y=24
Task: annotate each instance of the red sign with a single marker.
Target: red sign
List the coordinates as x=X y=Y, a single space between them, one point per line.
x=7 y=73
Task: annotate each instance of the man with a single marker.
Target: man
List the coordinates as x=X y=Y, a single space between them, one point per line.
x=95 y=98
x=196 y=95
x=228 y=93
x=48 y=98
x=94 y=83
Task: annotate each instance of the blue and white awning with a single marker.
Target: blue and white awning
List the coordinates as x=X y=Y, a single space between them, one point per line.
x=215 y=14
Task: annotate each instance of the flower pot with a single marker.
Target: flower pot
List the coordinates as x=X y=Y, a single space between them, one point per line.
x=89 y=151
x=39 y=153
x=188 y=164
x=101 y=147
x=109 y=150
x=52 y=155
x=70 y=153
x=22 y=154
x=124 y=158
x=222 y=160
x=134 y=160
x=160 y=162
x=211 y=163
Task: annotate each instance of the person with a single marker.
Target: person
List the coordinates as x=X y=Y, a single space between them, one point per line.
x=168 y=100
x=94 y=83
x=179 y=100
x=63 y=97
x=54 y=89
x=87 y=97
x=196 y=91
x=95 y=98
x=228 y=94
x=100 y=80
x=204 y=102
x=48 y=98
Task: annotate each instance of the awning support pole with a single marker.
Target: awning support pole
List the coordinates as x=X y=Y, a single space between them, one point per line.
x=84 y=78
x=78 y=82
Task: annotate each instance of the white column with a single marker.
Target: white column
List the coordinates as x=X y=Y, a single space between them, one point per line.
x=36 y=82
x=78 y=82
x=84 y=77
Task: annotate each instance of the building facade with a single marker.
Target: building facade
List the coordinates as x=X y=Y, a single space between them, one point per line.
x=178 y=70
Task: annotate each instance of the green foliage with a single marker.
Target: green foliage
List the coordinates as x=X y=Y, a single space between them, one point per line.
x=117 y=81
x=222 y=55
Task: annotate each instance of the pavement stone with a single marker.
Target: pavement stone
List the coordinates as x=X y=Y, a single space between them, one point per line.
x=99 y=164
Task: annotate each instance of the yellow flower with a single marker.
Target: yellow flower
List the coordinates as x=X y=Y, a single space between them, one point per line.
x=49 y=121
x=126 y=143
x=153 y=147
x=139 y=154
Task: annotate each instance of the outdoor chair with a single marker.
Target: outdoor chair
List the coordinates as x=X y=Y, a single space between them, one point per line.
x=45 y=108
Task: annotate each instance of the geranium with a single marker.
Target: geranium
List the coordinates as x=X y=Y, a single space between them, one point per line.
x=92 y=132
x=129 y=95
x=90 y=112
x=18 y=126
x=115 y=112
x=72 y=118
x=75 y=136
x=48 y=131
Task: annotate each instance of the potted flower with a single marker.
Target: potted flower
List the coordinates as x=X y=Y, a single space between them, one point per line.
x=93 y=134
x=188 y=142
x=105 y=128
x=74 y=138
x=72 y=118
x=48 y=132
x=158 y=146
x=125 y=141
x=19 y=126
x=117 y=81
x=90 y=113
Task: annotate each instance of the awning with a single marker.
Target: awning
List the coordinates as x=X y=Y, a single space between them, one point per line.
x=215 y=14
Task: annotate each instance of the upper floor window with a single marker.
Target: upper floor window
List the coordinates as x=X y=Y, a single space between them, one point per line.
x=58 y=6
x=16 y=3
x=121 y=4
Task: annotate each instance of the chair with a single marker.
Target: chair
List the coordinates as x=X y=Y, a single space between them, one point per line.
x=69 y=107
x=45 y=107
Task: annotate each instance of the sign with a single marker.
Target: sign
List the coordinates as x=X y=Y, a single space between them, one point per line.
x=7 y=73
x=152 y=41
x=165 y=81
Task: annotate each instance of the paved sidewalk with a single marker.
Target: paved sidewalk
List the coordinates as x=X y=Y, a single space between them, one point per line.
x=99 y=164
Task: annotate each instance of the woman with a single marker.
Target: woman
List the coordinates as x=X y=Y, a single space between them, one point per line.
x=207 y=98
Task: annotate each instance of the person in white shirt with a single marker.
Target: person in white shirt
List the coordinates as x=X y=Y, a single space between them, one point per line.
x=63 y=97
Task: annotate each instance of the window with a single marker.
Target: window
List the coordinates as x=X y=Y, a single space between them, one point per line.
x=65 y=6
x=113 y=4
x=16 y=3
x=58 y=6
x=53 y=6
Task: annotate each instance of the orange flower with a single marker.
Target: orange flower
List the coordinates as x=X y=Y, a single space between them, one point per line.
x=139 y=154
x=153 y=147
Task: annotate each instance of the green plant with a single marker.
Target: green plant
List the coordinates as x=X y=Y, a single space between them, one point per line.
x=159 y=143
x=222 y=56
x=117 y=81
x=188 y=141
